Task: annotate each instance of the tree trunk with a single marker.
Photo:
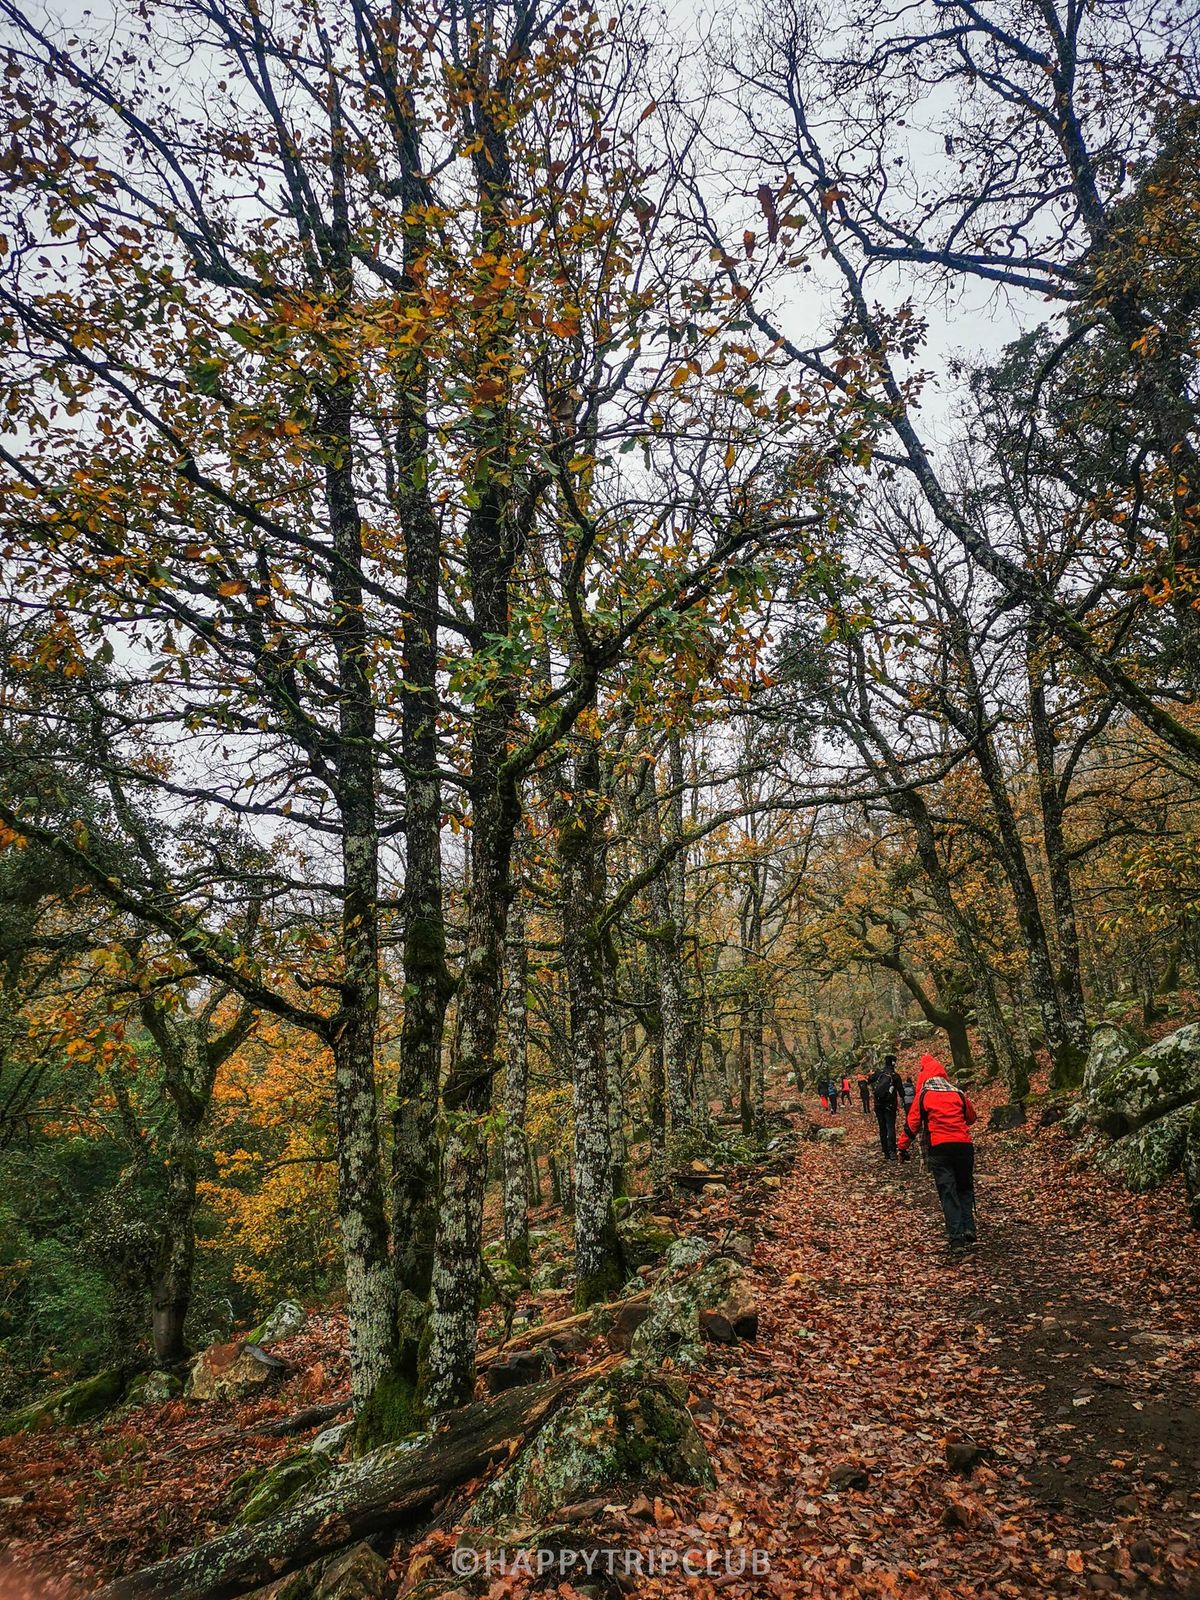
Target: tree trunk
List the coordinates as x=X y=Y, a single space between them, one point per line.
x=951 y=1021
x=362 y=1214
x=1068 y=1072
x=614 y=1056
x=1067 y=1054
x=190 y=1061
x=448 y=1370
x=172 y=1288
x=656 y=1100
x=427 y=981
x=668 y=952
x=516 y=1091
x=597 y=1248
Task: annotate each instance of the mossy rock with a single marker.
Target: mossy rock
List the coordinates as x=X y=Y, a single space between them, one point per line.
x=554 y=1275
x=1156 y=1080
x=1111 y=1046
x=629 y=1427
x=1144 y=1160
x=280 y=1484
x=506 y=1282
x=284 y=1322
x=672 y=1327
x=643 y=1242
x=1075 y=1119
x=78 y=1403
x=151 y=1389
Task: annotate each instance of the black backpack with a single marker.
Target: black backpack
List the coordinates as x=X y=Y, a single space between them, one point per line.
x=887 y=1088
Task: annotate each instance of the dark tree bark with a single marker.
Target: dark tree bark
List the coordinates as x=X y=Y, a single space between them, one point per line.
x=1068 y=1072
x=191 y=1057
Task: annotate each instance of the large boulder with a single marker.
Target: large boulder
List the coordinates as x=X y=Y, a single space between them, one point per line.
x=673 y=1325
x=631 y=1426
x=1156 y=1080
x=79 y=1402
x=1110 y=1047
x=231 y=1371
x=1144 y=1160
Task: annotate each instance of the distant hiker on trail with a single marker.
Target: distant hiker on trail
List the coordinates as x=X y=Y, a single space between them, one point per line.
x=946 y=1114
x=864 y=1091
x=845 y=1088
x=888 y=1099
x=831 y=1089
x=824 y=1097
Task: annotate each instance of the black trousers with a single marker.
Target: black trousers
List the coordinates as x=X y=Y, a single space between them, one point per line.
x=953 y=1168
x=887 y=1131
x=865 y=1090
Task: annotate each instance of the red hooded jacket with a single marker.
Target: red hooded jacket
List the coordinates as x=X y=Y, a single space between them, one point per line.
x=946 y=1111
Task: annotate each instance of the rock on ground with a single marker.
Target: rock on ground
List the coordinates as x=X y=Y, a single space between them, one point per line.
x=672 y=1327
x=228 y=1372
x=1146 y=1159
x=1110 y=1047
x=1156 y=1080
x=284 y=1322
x=79 y=1402
x=630 y=1426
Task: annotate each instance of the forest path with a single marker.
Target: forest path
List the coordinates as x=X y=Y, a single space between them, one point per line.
x=1066 y=1346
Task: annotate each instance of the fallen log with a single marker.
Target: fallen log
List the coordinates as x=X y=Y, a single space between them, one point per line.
x=309 y=1418
x=389 y=1488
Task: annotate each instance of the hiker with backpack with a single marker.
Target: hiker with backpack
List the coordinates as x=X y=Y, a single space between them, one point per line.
x=908 y=1093
x=888 y=1098
x=864 y=1091
x=943 y=1114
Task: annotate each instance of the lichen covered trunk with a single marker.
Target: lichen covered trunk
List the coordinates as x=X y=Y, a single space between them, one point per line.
x=362 y=1214
x=448 y=1360
x=516 y=1093
x=597 y=1248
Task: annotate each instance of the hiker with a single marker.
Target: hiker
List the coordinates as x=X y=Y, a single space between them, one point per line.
x=946 y=1115
x=887 y=1100
x=864 y=1092
x=908 y=1093
x=824 y=1092
x=845 y=1088
x=831 y=1089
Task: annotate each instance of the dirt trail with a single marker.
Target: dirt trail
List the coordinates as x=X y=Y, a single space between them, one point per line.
x=1054 y=1347
x=1067 y=1347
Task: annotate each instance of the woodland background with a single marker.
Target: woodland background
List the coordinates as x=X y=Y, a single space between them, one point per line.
x=510 y=646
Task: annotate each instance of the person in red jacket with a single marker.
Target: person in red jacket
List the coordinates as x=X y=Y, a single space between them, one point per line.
x=945 y=1114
